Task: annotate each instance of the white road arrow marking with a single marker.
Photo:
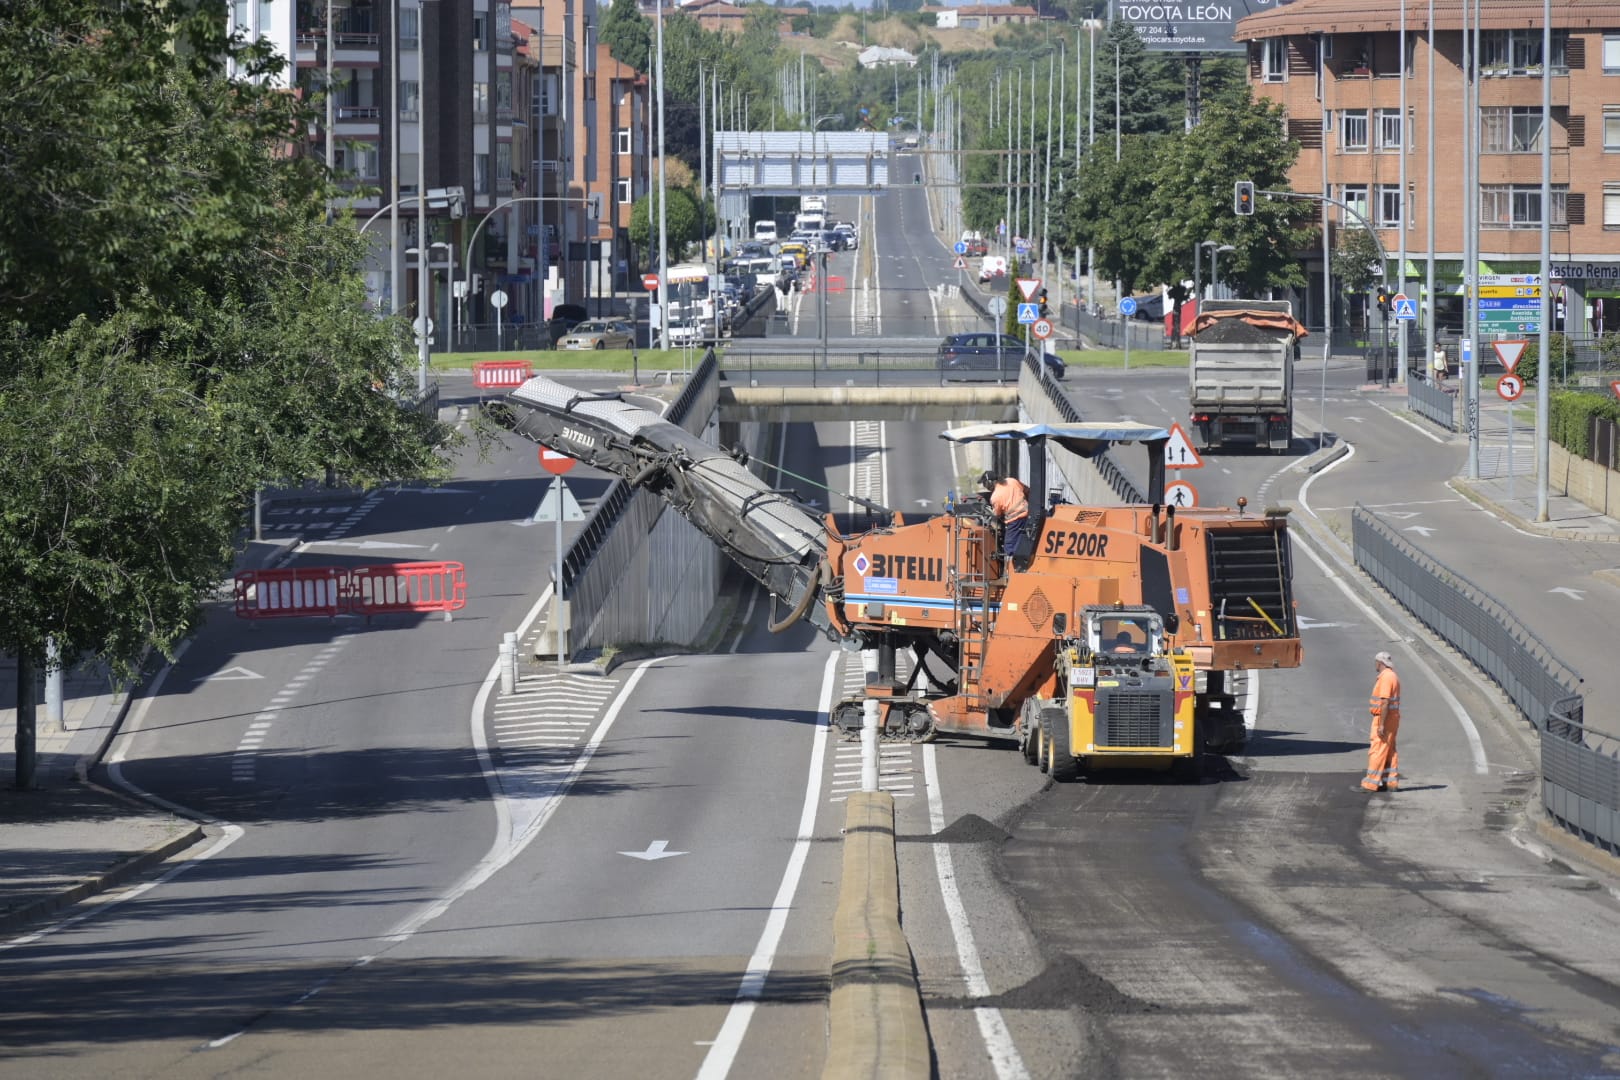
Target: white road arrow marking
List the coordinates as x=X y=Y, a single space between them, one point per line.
x=1401 y=515
x=654 y=852
x=1573 y=594
x=1307 y=623
x=924 y=503
x=229 y=674
x=1357 y=419
x=363 y=545
x=1422 y=530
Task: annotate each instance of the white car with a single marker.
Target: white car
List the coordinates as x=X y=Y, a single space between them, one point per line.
x=765 y=231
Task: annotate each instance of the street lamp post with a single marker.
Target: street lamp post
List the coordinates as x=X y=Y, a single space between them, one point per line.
x=473 y=238
x=1215 y=249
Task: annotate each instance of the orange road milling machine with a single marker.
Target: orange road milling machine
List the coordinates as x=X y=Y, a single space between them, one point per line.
x=1106 y=641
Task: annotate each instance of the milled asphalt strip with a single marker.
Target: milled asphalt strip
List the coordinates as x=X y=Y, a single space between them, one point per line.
x=1476 y=745
x=998 y=1043
x=723 y=1053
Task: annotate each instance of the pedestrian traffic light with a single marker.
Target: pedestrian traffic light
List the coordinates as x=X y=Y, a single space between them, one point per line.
x=1243 y=198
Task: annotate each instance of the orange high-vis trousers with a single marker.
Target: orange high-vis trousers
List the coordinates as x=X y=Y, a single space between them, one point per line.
x=1382 y=760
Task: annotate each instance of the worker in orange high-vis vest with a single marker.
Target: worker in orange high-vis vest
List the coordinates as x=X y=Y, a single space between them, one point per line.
x=1010 y=503
x=1385 y=706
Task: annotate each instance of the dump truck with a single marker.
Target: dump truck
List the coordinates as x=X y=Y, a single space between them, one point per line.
x=1240 y=373
x=999 y=641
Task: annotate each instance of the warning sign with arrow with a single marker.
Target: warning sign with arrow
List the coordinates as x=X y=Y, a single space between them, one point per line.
x=1179 y=452
x=1180 y=494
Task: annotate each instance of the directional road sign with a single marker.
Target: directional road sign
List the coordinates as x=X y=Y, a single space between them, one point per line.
x=1405 y=307
x=649 y=282
x=1180 y=494
x=997 y=306
x=960 y=263
x=961 y=247
x=1027 y=287
x=1179 y=452
x=554 y=463
x=1509 y=352
x=1509 y=387
x=1028 y=313
x=1127 y=306
x=1041 y=328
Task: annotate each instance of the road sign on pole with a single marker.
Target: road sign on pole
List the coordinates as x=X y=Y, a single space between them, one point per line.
x=1028 y=313
x=554 y=463
x=649 y=282
x=1028 y=286
x=1509 y=387
x=1041 y=328
x=996 y=305
x=1509 y=352
x=960 y=263
x=961 y=247
x=1180 y=494
x=1127 y=306
x=1405 y=307
x=1179 y=452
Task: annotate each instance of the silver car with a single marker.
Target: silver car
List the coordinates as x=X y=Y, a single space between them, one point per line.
x=598 y=334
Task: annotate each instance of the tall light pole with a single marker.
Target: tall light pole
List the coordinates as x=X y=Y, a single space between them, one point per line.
x=1428 y=183
x=1401 y=218
x=663 y=215
x=1544 y=353
x=423 y=305
x=394 y=290
x=1215 y=248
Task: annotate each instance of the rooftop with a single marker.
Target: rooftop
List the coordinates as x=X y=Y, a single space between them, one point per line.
x=1305 y=17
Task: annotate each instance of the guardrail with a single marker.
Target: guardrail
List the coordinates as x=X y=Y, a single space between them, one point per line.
x=1107 y=468
x=1109 y=333
x=1580 y=767
x=1431 y=402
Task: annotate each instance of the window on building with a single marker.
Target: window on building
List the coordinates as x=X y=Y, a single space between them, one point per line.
x=622 y=190
x=623 y=140
x=1611 y=206
x=410 y=100
x=480 y=174
x=409 y=20
x=407 y=173
x=1510 y=129
x=1611 y=127
x=481 y=31
x=1274 y=59
x=480 y=102
x=503 y=160
x=1611 y=54
x=1518 y=206
x=1389 y=206
x=1354 y=197
x=356 y=160
x=1389 y=129
x=1353 y=130
x=1518 y=52
x=545 y=92
x=503 y=95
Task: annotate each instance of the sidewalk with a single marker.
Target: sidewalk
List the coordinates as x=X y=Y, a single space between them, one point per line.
x=68 y=838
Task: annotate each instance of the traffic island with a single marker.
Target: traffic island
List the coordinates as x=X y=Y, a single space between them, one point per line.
x=875 y=1017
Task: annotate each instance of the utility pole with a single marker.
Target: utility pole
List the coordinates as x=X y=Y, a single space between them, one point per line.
x=1404 y=220
x=1429 y=185
x=663 y=213
x=1544 y=354
x=1046 y=196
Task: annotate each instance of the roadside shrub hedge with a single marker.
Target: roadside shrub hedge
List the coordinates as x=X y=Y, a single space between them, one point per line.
x=1569 y=414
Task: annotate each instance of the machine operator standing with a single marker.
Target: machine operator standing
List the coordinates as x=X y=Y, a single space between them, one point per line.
x=1385 y=707
x=1009 y=502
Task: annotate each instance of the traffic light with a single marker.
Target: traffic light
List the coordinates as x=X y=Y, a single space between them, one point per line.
x=1243 y=198
x=1383 y=299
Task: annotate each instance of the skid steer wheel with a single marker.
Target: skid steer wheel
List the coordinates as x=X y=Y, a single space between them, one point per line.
x=1061 y=764
x=1029 y=718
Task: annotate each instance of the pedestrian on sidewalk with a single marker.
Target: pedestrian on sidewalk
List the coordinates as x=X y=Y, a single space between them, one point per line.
x=1439 y=365
x=1385 y=707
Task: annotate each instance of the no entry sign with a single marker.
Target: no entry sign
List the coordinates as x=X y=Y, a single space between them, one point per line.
x=554 y=463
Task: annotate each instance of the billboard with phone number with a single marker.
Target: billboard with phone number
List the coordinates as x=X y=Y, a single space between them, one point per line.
x=1189 y=27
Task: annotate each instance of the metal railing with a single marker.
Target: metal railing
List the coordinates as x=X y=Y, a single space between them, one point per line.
x=1580 y=767
x=1112 y=475
x=1434 y=403
x=844 y=366
x=1110 y=333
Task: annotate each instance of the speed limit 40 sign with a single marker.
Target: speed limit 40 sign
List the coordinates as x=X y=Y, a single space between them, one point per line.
x=1041 y=328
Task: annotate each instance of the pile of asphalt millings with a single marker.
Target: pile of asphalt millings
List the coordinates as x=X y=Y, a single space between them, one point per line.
x=1063 y=984
x=1237 y=332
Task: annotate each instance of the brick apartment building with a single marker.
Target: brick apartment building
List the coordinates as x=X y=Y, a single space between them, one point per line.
x=1357 y=89
x=511 y=113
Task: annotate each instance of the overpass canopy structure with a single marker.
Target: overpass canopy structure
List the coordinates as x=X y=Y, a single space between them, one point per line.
x=794 y=162
x=1084 y=439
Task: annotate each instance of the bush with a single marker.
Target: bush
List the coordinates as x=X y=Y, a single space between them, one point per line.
x=1558 y=348
x=1569 y=414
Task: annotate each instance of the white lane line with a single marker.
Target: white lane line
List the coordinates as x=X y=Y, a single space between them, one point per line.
x=998 y=1043
x=1304 y=489
x=718 y=1061
x=1476 y=745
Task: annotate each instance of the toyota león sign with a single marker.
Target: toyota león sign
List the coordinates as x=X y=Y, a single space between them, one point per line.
x=1191 y=27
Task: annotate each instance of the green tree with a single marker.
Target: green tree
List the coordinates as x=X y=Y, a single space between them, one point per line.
x=628 y=34
x=180 y=324
x=1112 y=206
x=683 y=222
x=1357 y=261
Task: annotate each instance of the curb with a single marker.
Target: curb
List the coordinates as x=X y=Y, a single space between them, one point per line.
x=1466 y=489
x=875 y=1018
x=116 y=875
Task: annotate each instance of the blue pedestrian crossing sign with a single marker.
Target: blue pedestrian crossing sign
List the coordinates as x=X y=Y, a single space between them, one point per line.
x=1405 y=307
x=1029 y=313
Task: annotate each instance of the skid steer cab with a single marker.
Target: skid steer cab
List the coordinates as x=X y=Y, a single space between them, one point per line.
x=1126 y=700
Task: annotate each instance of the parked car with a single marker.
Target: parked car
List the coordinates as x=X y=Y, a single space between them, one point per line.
x=599 y=334
x=982 y=354
x=564 y=317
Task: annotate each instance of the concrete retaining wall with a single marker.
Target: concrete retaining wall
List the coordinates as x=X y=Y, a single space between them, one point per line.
x=1583 y=480
x=1083 y=481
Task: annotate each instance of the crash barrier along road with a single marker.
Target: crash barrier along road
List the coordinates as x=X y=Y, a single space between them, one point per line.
x=386 y=589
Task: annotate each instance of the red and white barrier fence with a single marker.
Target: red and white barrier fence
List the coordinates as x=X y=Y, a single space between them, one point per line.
x=501 y=374
x=386 y=589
